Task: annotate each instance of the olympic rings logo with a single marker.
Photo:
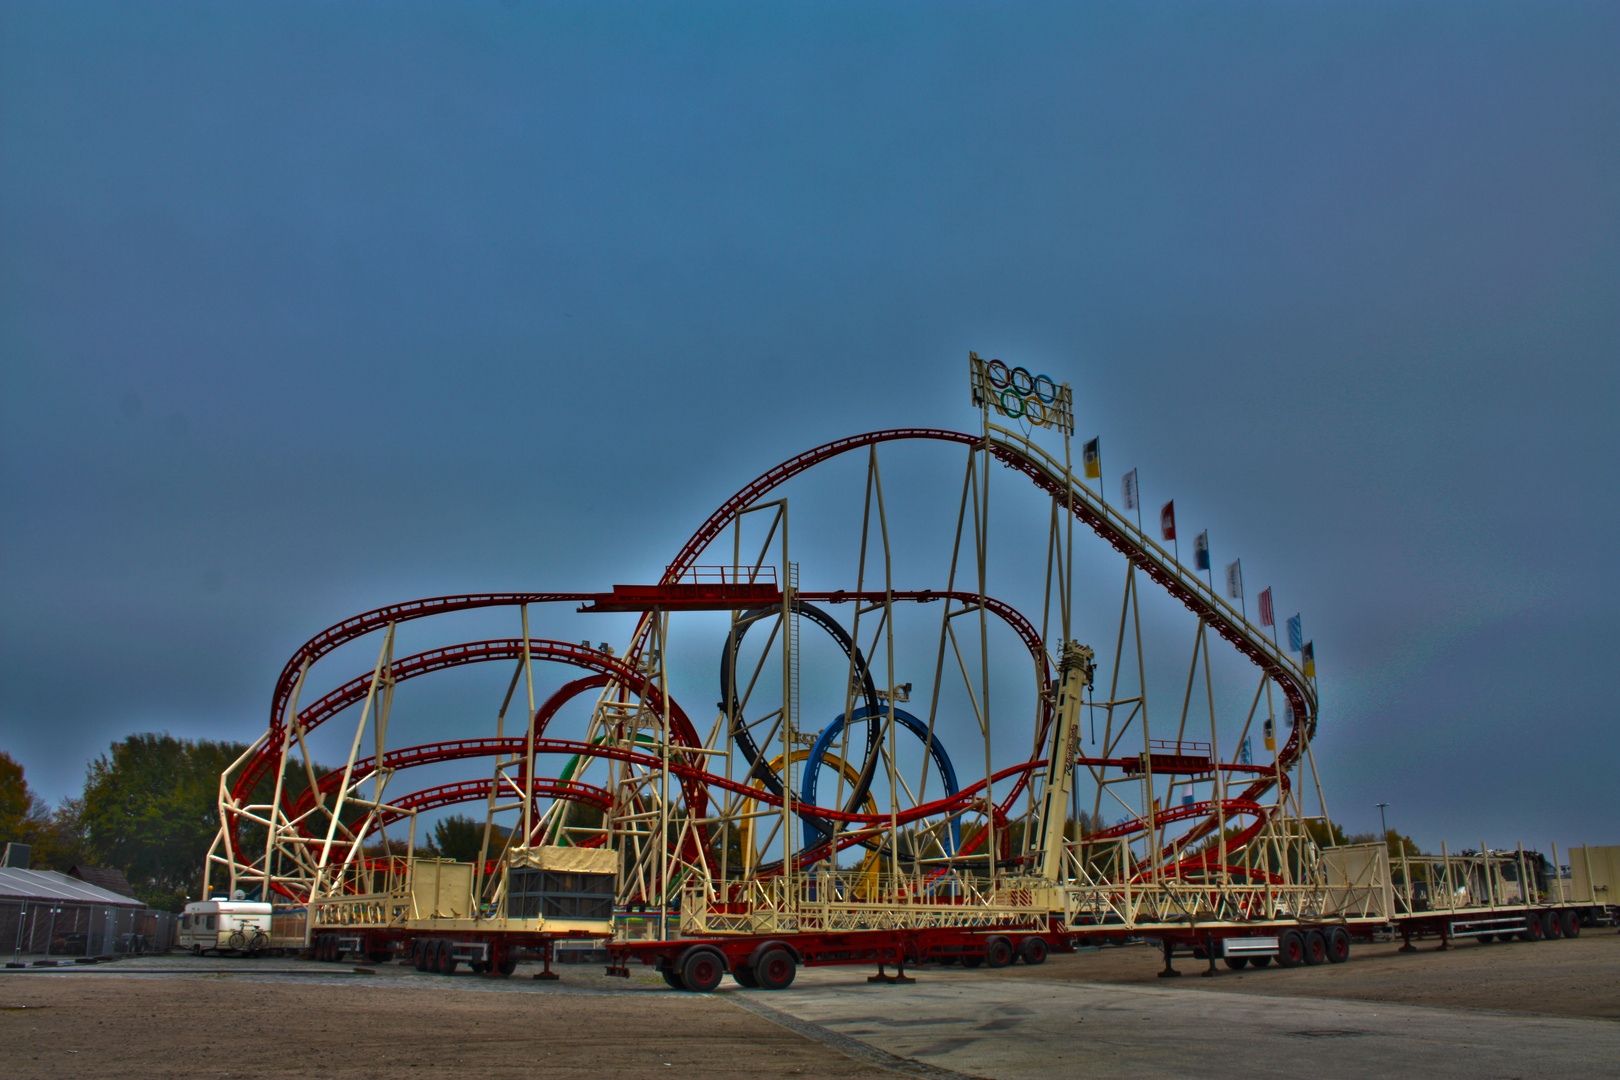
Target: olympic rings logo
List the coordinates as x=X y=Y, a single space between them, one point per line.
x=1018 y=395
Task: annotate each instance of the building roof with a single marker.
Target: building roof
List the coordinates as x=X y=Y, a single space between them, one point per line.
x=18 y=884
x=103 y=877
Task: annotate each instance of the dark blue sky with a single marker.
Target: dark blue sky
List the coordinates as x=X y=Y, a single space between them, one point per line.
x=308 y=308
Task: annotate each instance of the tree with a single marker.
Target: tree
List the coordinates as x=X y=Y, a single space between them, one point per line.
x=17 y=803
x=461 y=838
x=151 y=810
x=56 y=837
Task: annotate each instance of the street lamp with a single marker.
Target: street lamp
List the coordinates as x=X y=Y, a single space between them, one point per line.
x=1381 y=820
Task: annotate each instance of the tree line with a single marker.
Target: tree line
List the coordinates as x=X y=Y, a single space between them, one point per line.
x=150 y=808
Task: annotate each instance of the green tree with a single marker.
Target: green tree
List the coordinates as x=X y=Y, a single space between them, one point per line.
x=461 y=838
x=151 y=810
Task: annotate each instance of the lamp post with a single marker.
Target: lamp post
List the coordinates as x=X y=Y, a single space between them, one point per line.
x=1381 y=820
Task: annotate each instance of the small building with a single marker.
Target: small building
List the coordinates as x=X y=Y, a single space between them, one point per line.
x=45 y=913
x=103 y=877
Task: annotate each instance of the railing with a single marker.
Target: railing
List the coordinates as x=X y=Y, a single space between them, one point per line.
x=1154 y=551
x=826 y=901
x=723 y=575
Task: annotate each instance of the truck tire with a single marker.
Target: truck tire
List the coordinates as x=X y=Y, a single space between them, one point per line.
x=1572 y=923
x=1316 y=949
x=1533 y=930
x=672 y=978
x=1338 y=945
x=1258 y=962
x=444 y=959
x=1032 y=950
x=744 y=976
x=1236 y=963
x=775 y=970
x=419 y=954
x=702 y=969
x=998 y=952
x=1291 y=949
x=1552 y=927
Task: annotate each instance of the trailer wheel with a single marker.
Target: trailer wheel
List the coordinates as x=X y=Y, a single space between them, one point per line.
x=971 y=961
x=419 y=954
x=1291 y=949
x=1259 y=961
x=1032 y=950
x=702 y=968
x=1238 y=963
x=506 y=966
x=775 y=970
x=744 y=976
x=1572 y=923
x=998 y=952
x=1316 y=949
x=1533 y=930
x=672 y=978
x=1338 y=945
x=1552 y=927
x=445 y=959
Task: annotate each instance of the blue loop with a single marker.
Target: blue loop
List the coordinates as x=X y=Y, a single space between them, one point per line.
x=818 y=752
x=1046 y=399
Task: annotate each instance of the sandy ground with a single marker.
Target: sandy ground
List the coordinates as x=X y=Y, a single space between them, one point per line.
x=217 y=1026
x=284 y=1018
x=1557 y=978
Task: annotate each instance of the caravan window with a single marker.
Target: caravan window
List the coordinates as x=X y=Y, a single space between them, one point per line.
x=211 y=922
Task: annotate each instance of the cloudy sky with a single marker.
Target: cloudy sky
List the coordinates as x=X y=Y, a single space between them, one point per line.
x=309 y=308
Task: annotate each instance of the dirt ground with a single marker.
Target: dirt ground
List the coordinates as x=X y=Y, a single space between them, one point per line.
x=201 y=1027
x=395 y=1023
x=1559 y=978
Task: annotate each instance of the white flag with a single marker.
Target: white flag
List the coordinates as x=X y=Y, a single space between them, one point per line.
x=1234 y=579
x=1127 y=487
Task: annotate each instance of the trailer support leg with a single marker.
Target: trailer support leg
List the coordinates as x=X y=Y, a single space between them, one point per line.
x=545 y=955
x=1168 y=972
x=1445 y=942
x=1406 y=937
x=1209 y=950
x=899 y=975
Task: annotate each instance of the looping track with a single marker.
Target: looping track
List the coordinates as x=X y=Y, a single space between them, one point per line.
x=696 y=780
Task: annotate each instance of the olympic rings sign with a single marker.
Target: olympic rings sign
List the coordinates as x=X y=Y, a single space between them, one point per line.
x=1018 y=395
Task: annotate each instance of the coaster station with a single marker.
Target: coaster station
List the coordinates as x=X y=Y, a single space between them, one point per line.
x=827 y=812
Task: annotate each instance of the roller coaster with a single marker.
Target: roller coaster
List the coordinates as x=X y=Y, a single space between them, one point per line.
x=814 y=819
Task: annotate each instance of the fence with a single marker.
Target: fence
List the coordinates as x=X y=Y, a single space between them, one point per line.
x=63 y=928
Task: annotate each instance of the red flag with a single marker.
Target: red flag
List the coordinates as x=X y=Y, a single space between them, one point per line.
x=1167 y=520
x=1265 y=608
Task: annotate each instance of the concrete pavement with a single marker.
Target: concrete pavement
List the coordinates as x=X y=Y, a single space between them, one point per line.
x=1009 y=1029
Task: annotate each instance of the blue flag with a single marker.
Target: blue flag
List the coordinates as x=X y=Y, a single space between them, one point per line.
x=1201 y=550
x=1296 y=637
